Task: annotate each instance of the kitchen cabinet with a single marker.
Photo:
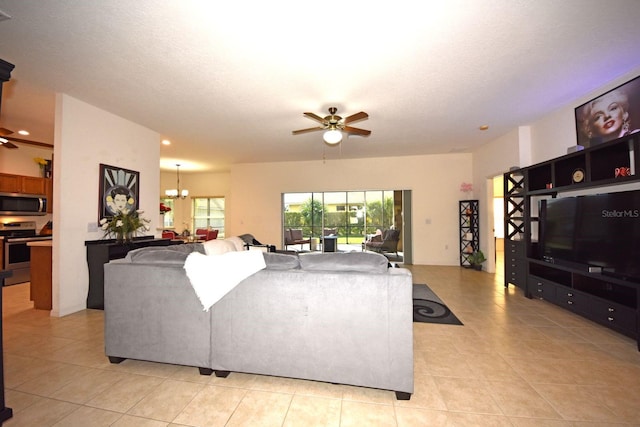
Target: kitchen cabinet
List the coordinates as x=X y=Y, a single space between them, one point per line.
x=22 y=184
x=41 y=273
x=10 y=183
x=49 y=193
x=33 y=185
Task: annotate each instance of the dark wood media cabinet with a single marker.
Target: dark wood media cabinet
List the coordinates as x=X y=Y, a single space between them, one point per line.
x=100 y=252
x=607 y=300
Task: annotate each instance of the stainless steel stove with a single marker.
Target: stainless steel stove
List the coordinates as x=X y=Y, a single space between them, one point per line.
x=17 y=254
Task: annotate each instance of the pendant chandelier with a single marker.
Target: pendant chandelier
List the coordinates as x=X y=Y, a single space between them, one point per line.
x=175 y=193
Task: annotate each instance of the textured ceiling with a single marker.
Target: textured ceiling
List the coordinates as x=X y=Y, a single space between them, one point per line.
x=227 y=82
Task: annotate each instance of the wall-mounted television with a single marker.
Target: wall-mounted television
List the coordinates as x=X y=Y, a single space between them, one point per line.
x=611 y=115
x=600 y=230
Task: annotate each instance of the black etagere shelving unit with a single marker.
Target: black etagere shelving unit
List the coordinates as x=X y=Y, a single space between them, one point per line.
x=469 y=230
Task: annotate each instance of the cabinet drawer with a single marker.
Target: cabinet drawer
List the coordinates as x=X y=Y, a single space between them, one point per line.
x=516 y=273
x=573 y=300
x=514 y=248
x=614 y=315
x=541 y=288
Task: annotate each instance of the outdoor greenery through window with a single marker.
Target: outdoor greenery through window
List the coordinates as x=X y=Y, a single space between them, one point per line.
x=353 y=214
x=209 y=212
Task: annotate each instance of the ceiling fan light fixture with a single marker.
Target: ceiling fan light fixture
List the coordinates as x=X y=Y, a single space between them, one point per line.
x=3 y=140
x=332 y=136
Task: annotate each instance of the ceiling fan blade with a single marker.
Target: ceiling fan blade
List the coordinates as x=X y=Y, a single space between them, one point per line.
x=5 y=132
x=315 y=117
x=296 y=132
x=7 y=144
x=29 y=142
x=356 y=117
x=356 y=131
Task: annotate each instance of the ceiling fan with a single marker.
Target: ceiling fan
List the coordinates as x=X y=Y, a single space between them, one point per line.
x=5 y=140
x=334 y=125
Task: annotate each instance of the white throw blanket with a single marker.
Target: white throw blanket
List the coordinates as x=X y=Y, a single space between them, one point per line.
x=213 y=276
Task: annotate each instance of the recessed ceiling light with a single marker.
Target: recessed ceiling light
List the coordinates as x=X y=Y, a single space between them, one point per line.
x=166 y=142
x=484 y=127
x=23 y=132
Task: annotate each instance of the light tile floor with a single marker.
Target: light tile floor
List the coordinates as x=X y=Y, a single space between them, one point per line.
x=515 y=362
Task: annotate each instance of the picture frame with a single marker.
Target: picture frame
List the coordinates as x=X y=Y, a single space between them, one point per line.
x=614 y=114
x=119 y=191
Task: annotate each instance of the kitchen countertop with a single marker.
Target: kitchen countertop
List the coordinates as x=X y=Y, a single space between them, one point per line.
x=40 y=243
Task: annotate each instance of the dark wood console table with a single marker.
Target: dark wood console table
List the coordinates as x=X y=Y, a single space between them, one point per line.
x=5 y=413
x=100 y=252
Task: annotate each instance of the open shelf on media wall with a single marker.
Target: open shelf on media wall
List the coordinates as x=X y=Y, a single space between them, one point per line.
x=605 y=164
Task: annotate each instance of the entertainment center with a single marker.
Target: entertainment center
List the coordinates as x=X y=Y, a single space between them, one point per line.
x=572 y=232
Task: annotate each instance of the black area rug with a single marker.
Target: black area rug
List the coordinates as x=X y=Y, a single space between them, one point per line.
x=428 y=308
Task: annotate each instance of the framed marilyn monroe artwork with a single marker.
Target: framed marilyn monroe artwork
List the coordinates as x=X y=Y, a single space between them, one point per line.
x=611 y=115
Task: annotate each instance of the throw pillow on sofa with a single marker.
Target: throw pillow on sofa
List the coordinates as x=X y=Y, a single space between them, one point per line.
x=217 y=247
x=237 y=241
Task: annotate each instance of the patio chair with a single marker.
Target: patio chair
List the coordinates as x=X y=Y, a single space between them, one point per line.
x=387 y=242
x=169 y=234
x=201 y=233
x=294 y=237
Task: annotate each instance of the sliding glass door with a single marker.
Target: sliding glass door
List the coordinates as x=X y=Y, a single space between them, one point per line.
x=352 y=216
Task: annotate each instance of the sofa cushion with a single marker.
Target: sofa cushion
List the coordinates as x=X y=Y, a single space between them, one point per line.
x=365 y=262
x=186 y=248
x=157 y=255
x=277 y=261
x=217 y=247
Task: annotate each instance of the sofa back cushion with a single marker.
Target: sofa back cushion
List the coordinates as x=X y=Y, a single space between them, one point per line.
x=276 y=261
x=365 y=262
x=186 y=248
x=157 y=255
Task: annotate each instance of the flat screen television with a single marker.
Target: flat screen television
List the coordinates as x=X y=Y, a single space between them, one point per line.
x=601 y=230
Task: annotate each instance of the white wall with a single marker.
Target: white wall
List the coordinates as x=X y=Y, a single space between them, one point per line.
x=20 y=161
x=254 y=203
x=86 y=136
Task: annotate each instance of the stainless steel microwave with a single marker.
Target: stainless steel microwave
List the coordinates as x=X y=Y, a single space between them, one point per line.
x=22 y=204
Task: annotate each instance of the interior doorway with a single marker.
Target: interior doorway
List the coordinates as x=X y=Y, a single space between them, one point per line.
x=495 y=224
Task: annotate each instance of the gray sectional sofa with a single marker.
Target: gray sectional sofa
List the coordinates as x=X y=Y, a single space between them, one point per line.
x=343 y=318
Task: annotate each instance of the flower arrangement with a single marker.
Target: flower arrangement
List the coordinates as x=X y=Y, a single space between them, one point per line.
x=124 y=226
x=45 y=166
x=41 y=162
